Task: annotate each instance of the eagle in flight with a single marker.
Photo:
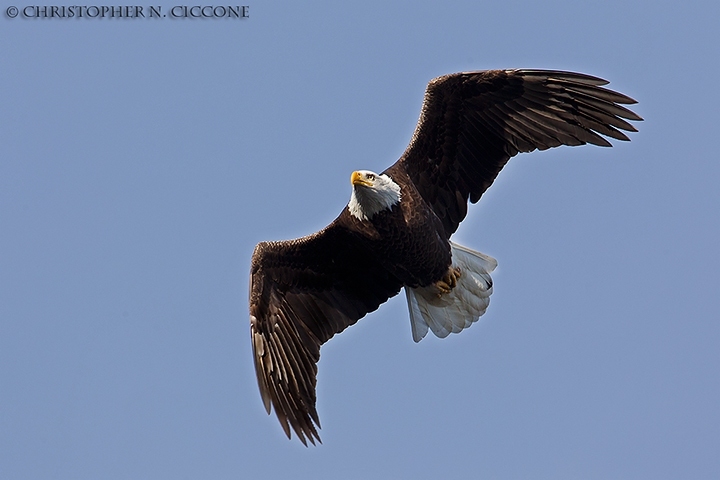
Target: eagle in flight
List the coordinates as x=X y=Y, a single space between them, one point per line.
x=395 y=231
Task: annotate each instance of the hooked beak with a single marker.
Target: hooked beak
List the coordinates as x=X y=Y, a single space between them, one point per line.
x=358 y=178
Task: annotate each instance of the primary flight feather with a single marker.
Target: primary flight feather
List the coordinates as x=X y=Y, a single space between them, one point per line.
x=395 y=231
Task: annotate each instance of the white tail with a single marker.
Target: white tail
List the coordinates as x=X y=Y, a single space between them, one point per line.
x=462 y=306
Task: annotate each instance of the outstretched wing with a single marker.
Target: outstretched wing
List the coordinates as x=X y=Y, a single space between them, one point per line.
x=302 y=293
x=472 y=123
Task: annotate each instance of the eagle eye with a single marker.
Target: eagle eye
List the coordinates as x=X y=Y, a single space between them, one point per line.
x=370 y=176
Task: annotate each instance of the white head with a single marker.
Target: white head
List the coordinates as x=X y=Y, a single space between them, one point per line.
x=371 y=194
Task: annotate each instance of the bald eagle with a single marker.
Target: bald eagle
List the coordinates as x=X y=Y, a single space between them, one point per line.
x=395 y=231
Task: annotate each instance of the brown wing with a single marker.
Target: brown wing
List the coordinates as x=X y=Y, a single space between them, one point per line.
x=302 y=293
x=472 y=123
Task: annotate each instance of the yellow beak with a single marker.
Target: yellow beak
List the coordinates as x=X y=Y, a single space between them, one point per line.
x=358 y=178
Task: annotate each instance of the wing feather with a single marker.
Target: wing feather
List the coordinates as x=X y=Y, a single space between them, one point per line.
x=472 y=123
x=302 y=293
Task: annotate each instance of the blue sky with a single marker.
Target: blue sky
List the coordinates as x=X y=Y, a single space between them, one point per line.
x=142 y=159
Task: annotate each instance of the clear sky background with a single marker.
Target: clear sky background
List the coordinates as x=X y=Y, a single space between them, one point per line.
x=142 y=159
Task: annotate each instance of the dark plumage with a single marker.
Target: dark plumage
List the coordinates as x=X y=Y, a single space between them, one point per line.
x=306 y=290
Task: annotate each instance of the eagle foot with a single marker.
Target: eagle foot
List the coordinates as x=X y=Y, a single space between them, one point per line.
x=448 y=281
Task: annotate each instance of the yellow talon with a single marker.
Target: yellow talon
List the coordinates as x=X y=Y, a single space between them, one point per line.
x=448 y=282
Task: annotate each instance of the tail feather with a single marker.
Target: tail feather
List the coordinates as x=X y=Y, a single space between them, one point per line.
x=462 y=306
